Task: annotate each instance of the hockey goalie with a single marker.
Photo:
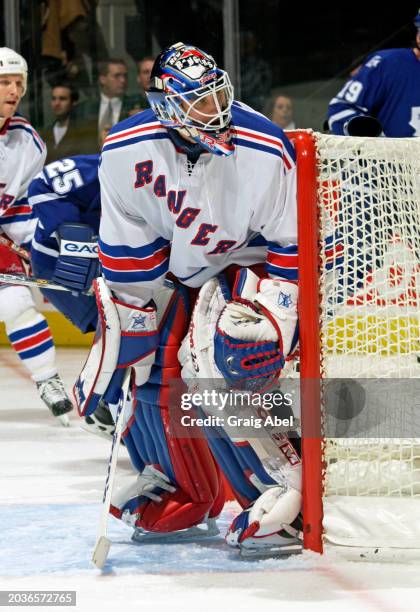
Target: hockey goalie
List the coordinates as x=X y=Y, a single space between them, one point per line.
x=198 y=250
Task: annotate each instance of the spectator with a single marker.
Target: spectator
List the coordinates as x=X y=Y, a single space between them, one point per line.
x=383 y=96
x=66 y=137
x=144 y=70
x=113 y=104
x=282 y=113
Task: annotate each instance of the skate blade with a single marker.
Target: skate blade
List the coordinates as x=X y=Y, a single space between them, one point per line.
x=192 y=534
x=100 y=553
x=270 y=552
x=64 y=420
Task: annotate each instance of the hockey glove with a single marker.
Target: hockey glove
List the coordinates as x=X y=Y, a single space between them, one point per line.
x=256 y=330
x=78 y=263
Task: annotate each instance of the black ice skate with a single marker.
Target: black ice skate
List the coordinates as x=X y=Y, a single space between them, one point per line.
x=100 y=422
x=54 y=395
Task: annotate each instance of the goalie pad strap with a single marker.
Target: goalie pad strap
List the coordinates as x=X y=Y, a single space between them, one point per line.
x=250 y=468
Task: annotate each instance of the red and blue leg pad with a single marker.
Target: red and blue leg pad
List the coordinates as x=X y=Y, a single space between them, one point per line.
x=187 y=462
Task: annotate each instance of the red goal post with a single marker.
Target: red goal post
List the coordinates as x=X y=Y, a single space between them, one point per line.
x=310 y=364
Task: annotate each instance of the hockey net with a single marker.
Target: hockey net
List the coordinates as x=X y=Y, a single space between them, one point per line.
x=359 y=267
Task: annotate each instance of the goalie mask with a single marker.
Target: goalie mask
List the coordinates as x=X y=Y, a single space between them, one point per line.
x=191 y=94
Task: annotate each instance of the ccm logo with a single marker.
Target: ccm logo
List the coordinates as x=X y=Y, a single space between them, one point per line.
x=79 y=249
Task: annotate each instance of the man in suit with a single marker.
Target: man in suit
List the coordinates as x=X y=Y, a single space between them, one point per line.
x=113 y=105
x=67 y=136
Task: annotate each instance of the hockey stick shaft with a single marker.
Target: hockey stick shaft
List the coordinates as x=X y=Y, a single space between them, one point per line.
x=103 y=544
x=21 y=279
x=30 y=281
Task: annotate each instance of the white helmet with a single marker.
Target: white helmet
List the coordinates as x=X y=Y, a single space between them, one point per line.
x=13 y=63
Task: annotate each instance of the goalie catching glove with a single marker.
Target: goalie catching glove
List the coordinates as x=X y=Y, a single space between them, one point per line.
x=245 y=339
x=256 y=330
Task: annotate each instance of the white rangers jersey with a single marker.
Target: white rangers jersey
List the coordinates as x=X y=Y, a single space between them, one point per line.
x=22 y=156
x=160 y=215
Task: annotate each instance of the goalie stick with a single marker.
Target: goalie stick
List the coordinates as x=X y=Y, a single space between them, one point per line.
x=103 y=544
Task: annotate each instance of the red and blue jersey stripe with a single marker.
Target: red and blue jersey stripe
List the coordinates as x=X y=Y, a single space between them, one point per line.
x=138 y=128
x=253 y=130
x=124 y=264
x=20 y=210
x=282 y=261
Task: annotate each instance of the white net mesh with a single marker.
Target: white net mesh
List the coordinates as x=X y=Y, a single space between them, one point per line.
x=369 y=195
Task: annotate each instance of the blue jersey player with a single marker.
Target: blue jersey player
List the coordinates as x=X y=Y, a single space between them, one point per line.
x=65 y=198
x=387 y=89
x=66 y=201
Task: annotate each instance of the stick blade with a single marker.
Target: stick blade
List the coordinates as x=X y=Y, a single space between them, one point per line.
x=100 y=553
